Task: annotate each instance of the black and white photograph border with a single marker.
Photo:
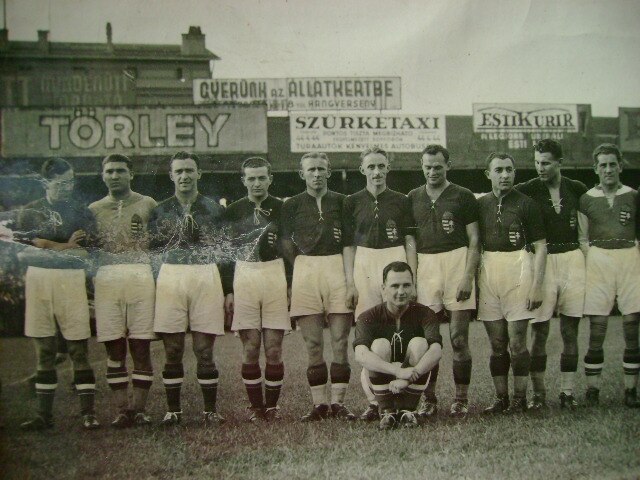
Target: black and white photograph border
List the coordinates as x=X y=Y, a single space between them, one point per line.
x=229 y=80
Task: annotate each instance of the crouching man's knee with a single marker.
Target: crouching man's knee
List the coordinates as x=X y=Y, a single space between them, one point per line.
x=382 y=348
x=416 y=349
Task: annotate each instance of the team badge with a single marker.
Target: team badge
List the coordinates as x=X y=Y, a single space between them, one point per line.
x=337 y=232
x=624 y=216
x=392 y=230
x=573 y=219
x=515 y=233
x=448 y=225
x=136 y=225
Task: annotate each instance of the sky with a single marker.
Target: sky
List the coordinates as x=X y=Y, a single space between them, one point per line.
x=449 y=53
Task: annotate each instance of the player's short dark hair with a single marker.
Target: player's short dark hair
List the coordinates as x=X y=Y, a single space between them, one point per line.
x=320 y=155
x=501 y=156
x=606 y=149
x=54 y=166
x=373 y=149
x=255 y=162
x=184 y=155
x=119 y=158
x=547 y=145
x=434 y=149
x=396 y=267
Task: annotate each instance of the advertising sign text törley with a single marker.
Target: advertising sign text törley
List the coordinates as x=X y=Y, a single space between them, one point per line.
x=99 y=131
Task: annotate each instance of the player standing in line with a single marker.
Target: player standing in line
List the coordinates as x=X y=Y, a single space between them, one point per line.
x=58 y=227
x=260 y=310
x=446 y=218
x=398 y=344
x=189 y=292
x=511 y=279
x=608 y=235
x=558 y=198
x=312 y=240
x=124 y=288
x=377 y=224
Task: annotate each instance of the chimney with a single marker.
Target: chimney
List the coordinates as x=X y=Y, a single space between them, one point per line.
x=109 y=37
x=193 y=42
x=43 y=40
x=4 y=39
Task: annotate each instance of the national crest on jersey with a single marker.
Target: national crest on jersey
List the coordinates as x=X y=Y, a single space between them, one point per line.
x=392 y=230
x=624 y=216
x=448 y=224
x=515 y=233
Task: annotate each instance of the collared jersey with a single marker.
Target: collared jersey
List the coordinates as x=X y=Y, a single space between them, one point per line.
x=191 y=235
x=417 y=321
x=509 y=224
x=561 y=228
x=610 y=226
x=441 y=225
x=250 y=227
x=56 y=222
x=377 y=222
x=122 y=228
x=314 y=232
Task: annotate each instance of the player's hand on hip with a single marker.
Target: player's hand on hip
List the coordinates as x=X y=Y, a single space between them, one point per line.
x=534 y=299
x=352 y=296
x=464 y=290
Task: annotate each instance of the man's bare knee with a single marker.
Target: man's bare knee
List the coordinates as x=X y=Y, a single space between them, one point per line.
x=78 y=352
x=141 y=354
x=46 y=352
x=173 y=348
x=416 y=349
x=382 y=348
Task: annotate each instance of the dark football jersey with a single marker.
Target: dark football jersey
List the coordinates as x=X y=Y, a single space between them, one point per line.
x=254 y=229
x=188 y=236
x=56 y=222
x=561 y=228
x=417 y=321
x=610 y=226
x=377 y=222
x=314 y=232
x=509 y=224
x=441 y=226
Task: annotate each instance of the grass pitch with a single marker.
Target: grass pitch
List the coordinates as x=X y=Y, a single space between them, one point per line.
x=602 y=442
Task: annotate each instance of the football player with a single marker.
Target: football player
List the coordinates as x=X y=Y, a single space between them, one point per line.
x=511 y=279
x=259 y=299
x=377 y=232
x=608 y=235
x=446 y=219
x=558 y=199
x=312 y=240
x=124 y=288
x=398 y=343
x=58 y=229
x=189 y=291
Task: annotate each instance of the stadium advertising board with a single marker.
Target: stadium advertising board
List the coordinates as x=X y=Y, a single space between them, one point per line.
x=629 y=119
x=285 y=94
x=88 y=131
x=353 y=132
x=520 y=125
x=62 y=88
